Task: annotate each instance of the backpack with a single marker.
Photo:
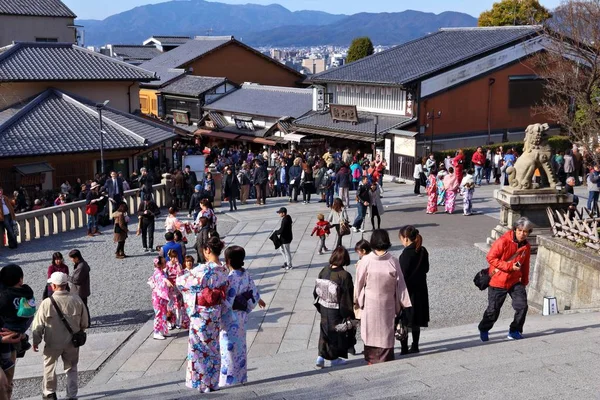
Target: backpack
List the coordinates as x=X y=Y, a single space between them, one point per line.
x=26 y=308
x=357 y=173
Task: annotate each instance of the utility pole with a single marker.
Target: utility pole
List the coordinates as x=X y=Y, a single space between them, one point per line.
x=99 y=107
x=375 y=137
x=432 y=116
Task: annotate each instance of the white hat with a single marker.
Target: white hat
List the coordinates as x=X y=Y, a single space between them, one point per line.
x=58 y=278
x=94 y=185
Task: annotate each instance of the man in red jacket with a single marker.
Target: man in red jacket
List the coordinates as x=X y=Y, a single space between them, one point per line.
x=509 y=272
x=478 y=161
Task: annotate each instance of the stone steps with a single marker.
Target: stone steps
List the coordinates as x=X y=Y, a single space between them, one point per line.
x=558 y=359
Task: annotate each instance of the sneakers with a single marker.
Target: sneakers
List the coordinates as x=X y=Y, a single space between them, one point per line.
x=353 y=229
x=159 y=336
x=284 y=266
x=288 y=267
x=484 y=336
x=337 y=362
x=516 y=335
x=50 y=396
x=361 y=230
x=320 y=362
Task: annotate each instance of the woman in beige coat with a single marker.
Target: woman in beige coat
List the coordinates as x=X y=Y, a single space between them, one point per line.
x=121 y=219
x=381 y=294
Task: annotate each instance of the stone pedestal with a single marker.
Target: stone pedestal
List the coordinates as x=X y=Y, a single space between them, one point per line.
x=218 y=178
x=532 y=203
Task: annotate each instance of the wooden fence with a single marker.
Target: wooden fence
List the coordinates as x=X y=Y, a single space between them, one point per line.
x=580 y=227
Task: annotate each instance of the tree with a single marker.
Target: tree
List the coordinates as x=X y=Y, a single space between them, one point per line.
x=360 y=48
x=514 y=12
x=570 y=67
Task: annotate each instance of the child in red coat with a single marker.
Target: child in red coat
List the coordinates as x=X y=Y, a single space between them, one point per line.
x=322 y=229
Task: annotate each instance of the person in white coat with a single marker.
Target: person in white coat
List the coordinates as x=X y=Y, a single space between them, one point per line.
x=376 y=207
x=417 y=176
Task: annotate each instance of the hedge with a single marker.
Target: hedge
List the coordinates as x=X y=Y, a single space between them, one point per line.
x=557 y=143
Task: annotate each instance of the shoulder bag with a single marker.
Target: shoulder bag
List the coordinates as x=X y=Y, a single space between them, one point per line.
x=78 y=338
x=482 y=278
x=344 y=225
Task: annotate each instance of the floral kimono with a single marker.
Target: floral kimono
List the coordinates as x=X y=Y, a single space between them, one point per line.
x=432 y=195
x=441 y=189
x=451 y=185
x=176 y=313
x=160 y=299
x=204 y=292
x=242 y=297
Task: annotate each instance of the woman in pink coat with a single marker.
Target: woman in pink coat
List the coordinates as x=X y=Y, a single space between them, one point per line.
x=381 y=294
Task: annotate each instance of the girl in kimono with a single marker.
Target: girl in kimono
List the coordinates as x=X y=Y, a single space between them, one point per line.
x=242 y=297
x=334 y=300
x=161 y=291
x=432 y=194
x=451 y=185
x=440 y=187
x=176 y=314
x=381 y=295
x=172 y=223
x=204 y=291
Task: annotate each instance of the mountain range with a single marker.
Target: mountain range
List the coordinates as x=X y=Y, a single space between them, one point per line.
x=271 y=25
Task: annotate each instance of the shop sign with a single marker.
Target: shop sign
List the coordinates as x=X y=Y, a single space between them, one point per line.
x=181 y=117
x=343 y=113
x=312 y=142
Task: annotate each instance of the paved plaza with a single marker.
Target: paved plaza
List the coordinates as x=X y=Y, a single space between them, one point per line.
x=289 y=325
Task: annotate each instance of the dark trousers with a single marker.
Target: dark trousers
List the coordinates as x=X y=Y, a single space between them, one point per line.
x=147 y=233
x=375 y=214
x=120 y=247
x=261 y=193
x=6 y=228
x=88 y=309
x=417 y=186
x=361 y=211
x=496 y=298
x=232 y=203
x=339 y=235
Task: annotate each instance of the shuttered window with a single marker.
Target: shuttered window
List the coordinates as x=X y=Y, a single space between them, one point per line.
x=525 y=91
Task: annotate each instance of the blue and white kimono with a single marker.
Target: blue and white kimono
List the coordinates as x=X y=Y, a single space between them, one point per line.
x=233 y=332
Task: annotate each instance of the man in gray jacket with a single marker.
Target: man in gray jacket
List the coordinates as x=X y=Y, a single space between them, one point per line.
x=48 y=326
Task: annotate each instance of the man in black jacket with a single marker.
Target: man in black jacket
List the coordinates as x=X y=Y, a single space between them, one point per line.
x=260 y=182
x=147 y=213
x=145 y=181
x=285 y=235
x=195 y=202
x=362 y=200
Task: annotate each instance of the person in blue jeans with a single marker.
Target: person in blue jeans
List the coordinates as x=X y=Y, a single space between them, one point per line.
x=329 y=183
x=363 y=199
x=593 y=183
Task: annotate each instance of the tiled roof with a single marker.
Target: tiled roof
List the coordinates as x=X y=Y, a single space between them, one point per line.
x=191 y=85
x=365 y=125
x=267 y=101
x=63 y=62
x=135 y=52
x=56 y=123
x=169 y=39
x=38 y=8
x=421 y=57
x=181 y=55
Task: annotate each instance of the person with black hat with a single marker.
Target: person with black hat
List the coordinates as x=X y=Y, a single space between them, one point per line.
x=285 y=235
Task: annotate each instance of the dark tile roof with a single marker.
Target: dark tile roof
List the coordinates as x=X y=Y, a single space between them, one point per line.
x=134 y=52
x=421 y=57
x=56 y=123
x=181 y=55
x=365 y=126
x=191 y=85
x=267 y=101
x=63 y=62
x=167 y=40
x=38 y=8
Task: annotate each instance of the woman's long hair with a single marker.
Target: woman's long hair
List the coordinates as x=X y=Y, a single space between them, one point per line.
x=337 y=205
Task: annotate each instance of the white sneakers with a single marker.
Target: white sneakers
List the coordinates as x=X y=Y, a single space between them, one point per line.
x=159 y=336
x=354 y=229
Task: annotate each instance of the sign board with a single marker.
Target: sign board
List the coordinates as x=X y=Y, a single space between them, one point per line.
x=405 y=146
x=196 y=163
x=181 y=117
x=343 y=113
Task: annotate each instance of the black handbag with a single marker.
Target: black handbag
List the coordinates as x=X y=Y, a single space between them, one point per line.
x=78 y=338
x=240 y=302
x=423 y=179
x=482 y=279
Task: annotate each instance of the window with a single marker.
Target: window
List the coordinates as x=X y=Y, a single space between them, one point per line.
x=46 y=40
x=144 y=105
x=525 y=91
x=176 y=104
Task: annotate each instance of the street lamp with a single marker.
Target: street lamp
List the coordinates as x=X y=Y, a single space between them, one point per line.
x=375 y=137
x=432 y=116
x=99 y=107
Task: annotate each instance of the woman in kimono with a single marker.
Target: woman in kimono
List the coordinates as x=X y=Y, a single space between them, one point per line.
x=381 y=294
x=242 y=297
x=334 y=301
x=432 y=194
x=414 y=262
x=451 y=184
x=161 y=292
x=440 y=186
x=205 y=290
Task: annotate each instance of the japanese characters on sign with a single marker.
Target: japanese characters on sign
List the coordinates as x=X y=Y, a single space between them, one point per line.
x=343 y=113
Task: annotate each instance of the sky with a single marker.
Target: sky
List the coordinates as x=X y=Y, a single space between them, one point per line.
x=86 y=9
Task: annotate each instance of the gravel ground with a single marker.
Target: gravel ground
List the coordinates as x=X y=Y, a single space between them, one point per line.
x=120 y=298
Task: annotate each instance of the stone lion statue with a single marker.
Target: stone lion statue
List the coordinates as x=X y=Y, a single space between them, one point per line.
x=536 y=154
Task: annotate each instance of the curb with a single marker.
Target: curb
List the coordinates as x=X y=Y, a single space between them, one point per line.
x=112 y=366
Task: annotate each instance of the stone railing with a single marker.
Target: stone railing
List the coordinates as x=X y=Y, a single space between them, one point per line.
x=58 y=219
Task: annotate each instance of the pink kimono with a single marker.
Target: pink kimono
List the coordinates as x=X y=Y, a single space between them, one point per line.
x=160 y=299
x=451 y=186
x=381 y=294
x=432 y=194
x=176 y=314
